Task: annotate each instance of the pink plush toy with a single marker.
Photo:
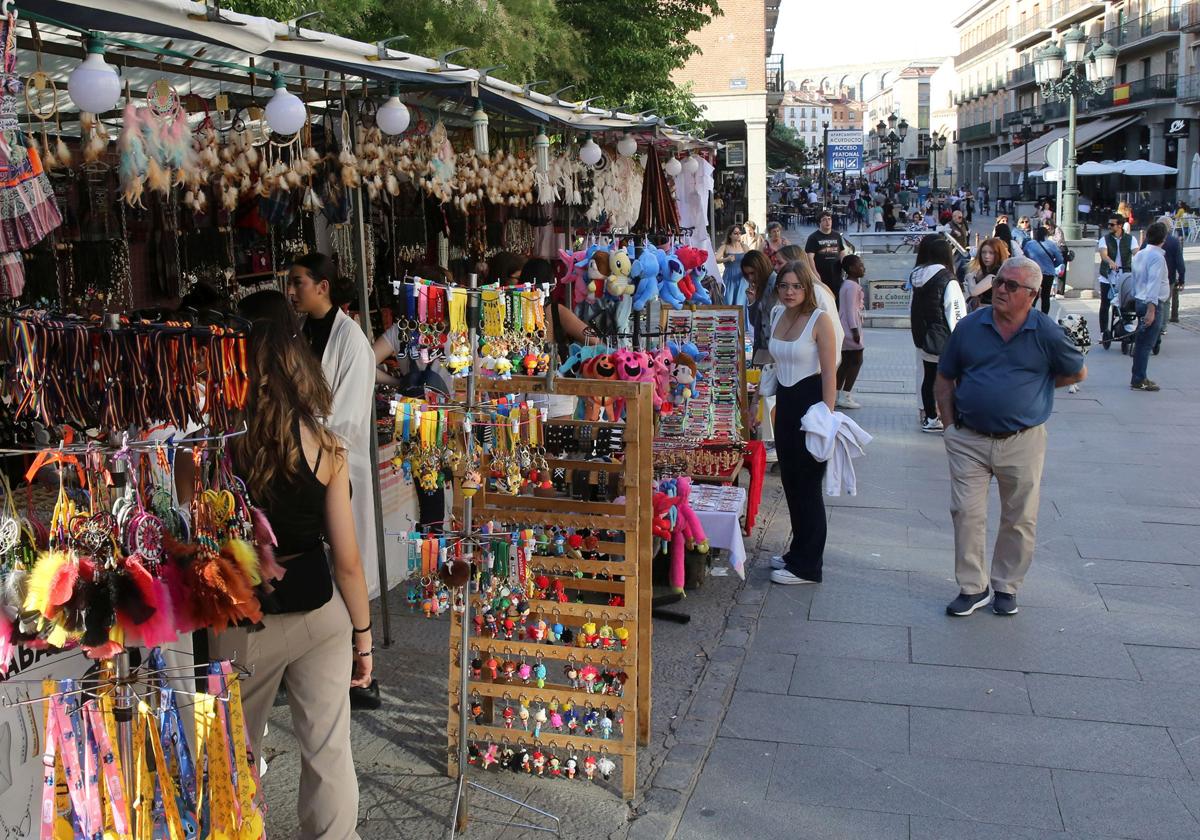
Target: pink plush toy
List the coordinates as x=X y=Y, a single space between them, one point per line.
x=689 y=533
x=575 y=277
x=637 y=366
x=662 y=363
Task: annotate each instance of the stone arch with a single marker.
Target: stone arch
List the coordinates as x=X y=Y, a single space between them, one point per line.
x=887 y=77
x=806 y=83
x=847 y=81
x=862 y=86
x=824 y=84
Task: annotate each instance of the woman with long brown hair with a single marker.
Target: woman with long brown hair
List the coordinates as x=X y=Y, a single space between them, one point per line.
x=982 y=272
x=803 y=345
x=315 y=637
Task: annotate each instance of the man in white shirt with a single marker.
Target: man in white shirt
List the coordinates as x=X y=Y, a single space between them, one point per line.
x=1152 y=291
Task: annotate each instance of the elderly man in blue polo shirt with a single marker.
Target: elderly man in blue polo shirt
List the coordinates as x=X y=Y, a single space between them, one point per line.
x=996 y=380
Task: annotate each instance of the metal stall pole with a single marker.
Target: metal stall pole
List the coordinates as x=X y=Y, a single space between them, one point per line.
x=359 y=215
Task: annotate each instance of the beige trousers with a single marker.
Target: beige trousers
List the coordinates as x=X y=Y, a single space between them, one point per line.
x=310 y=654
x=1016 y=463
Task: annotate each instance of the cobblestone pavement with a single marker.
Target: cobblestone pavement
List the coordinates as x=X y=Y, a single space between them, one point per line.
x=856 y=708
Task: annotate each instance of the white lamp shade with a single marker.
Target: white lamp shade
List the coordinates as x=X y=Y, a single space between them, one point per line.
x=690 y=164
x=589 y=152
x=285 y=111
x=541 y=151
x=1075 y=44
x=673 y=167
x=627 y=146
x=1105 y=57
x=1053 y=58
x=393 y=116
x=94 y=85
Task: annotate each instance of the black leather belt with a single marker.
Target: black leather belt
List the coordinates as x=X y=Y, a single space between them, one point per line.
x=992 y=435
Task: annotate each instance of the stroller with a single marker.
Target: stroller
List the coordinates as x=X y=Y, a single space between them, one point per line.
x=1124 y=318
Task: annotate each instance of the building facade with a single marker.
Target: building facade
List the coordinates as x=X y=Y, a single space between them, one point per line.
x=807 y=113
x=1156 y=84
x=907 y=97
x=737 y=81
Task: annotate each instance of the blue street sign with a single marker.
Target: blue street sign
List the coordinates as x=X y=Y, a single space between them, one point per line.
x=844 y=151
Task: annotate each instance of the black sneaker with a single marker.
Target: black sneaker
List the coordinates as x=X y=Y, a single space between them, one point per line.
x=966 y=604
x=1004 y=604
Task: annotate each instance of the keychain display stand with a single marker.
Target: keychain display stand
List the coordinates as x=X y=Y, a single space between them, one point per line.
x=627 y=523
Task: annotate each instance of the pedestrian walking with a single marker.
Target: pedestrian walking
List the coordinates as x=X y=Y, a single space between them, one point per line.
x=803 y=346
x=981 y=273
x=876 y=217
x=850 y=308
x=1116 y=248
x=775 y=242
x=729 y=257
x=1152 y=293
x=1126 y=213
x=937 y=307
x=995 y=388
x=1049 y=259
x=1023 y=231
x=1176 y=268
x=827 y=249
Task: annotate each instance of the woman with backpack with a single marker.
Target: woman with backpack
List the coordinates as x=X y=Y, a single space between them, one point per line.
x=1045 y=253
x=937 y=307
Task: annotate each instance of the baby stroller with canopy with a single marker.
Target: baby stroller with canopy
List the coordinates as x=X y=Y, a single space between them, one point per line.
x=1124 y=313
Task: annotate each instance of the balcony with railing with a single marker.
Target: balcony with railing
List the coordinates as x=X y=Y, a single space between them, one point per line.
x=979 y=131
x=1160 y=24
x=775 y=73
x=1161 y=86
x=1023 y=75
x=996 y=39
x=1189 y=17
x=1187 y=88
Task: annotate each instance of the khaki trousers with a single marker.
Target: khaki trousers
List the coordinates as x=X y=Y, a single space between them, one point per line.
x=1016 y=462
x=310 y=654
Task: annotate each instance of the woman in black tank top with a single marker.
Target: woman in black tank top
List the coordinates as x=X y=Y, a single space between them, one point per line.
x=316 y=631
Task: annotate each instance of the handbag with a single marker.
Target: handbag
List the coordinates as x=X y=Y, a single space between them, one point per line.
x=768 y=382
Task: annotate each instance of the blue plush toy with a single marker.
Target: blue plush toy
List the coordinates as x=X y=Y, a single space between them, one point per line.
x=645 y=274
x=670 y=272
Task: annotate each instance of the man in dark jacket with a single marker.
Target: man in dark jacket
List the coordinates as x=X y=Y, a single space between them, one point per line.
x=1176 y=269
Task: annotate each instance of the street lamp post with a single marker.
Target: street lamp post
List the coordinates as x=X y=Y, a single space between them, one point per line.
x=1067 y=73
x=937 y=142
x=891 y=137
x=825 y=161
x=1025 y=134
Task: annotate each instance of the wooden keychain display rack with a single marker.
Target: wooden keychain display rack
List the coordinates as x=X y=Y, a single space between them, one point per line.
x=631 y=558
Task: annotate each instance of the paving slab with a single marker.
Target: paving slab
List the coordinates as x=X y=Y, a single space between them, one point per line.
x=807 y=720
x=1047 y=742
x=907 y=784
x=938 y=828
x=1117 y=701
x=1166 y=664
x=720 y=820
x=907 y=684
x=1145 y=809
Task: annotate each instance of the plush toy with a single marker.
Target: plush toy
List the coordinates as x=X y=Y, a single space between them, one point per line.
x=636 y=366
x=683 y=377
x=621 y=266
x=693 y=260
x=602 y=366
x=577 y=355
x=575 y=278
x=599 y=268
x=664 y=512
x=670 y=272
x=645 y=275
x=689 y=533
x=661 y=363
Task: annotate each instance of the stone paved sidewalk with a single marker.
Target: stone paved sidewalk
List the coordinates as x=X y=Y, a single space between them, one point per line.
x=862 y=710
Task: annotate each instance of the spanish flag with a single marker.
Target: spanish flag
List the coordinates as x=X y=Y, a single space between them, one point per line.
x=1120 y=94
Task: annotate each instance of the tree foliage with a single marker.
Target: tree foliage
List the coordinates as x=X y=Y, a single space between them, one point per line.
x=622 y=51
x=785 y=148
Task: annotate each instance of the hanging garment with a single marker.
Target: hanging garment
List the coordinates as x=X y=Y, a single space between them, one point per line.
x=833 y=437
x=28 y=209
x=349 y=366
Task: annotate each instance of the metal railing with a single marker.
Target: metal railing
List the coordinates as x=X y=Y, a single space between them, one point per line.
x=1023 y=75
x=1157 y=22
x=1189 y=17
x=994 y=40
x=1187 y=88
x=775 y=73
x=978 y=131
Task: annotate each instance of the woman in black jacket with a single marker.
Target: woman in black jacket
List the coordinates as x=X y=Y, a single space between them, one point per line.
x=937 y=306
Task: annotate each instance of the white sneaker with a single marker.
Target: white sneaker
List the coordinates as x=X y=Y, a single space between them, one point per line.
x=844 y=400
x=772 y=455
x=777 y=562
x=932 y=425
x=786 y=578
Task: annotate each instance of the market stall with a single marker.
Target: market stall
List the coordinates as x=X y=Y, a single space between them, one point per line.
x=171 y=160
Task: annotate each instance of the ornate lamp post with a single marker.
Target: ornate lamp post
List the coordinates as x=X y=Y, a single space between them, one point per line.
x=937 y=142
x=1025 y=133
x=1067 y=73
x=891 y=137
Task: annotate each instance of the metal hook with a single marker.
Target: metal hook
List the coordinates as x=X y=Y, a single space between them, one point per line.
x=444 y=65
x=582 y=107
x=527 y=89
x=212 y=14
x=484 y=71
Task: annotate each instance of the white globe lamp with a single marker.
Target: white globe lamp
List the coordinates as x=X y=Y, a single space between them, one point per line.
x=673 y=167
x=627 y=145
x=691 y=164
x=94 y=85
x=393 y=116
x=589 y=153
x=285 y=112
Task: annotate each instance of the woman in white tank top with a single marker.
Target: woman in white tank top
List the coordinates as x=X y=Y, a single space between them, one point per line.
x=804 y=346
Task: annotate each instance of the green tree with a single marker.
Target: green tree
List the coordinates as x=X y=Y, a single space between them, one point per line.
x=785 y=148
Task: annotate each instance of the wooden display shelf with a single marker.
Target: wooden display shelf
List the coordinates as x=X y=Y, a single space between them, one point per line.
x=630 y=578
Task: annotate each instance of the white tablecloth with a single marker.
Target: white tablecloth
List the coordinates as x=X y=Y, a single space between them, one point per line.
x=719 y=508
